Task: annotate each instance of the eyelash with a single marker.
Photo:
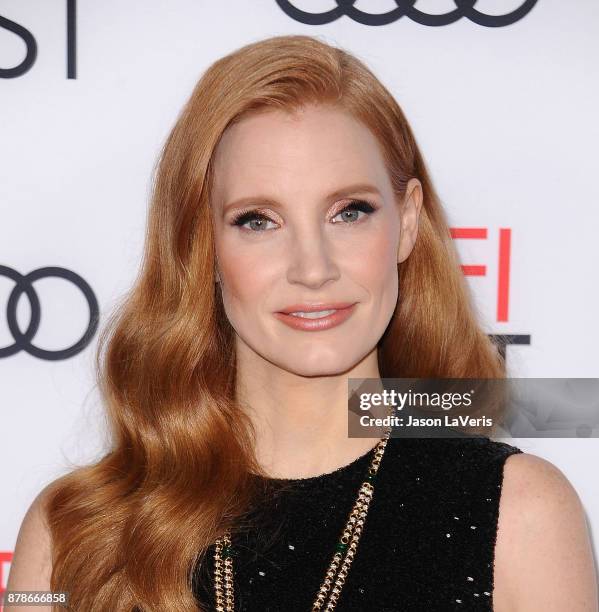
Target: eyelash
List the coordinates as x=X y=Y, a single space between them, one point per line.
x=359 y=205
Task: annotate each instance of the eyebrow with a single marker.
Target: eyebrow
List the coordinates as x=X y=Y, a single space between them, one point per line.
x=338 y=193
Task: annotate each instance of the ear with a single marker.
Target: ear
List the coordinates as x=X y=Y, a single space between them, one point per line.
x=409 y=216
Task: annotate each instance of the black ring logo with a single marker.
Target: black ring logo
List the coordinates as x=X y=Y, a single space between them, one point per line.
x=405 y=8
x=24 y=284
x=31 y=54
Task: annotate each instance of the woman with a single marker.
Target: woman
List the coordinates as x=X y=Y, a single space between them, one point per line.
x=291 y=183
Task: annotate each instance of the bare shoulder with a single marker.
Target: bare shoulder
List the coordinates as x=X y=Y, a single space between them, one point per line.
x=32 y=559
x=543 y=554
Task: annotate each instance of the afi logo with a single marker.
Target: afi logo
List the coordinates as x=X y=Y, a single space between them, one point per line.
x=31 y=45
x=503 y=278
x=5 y=560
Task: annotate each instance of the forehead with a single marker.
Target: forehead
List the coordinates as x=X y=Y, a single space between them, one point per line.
x=318 y=147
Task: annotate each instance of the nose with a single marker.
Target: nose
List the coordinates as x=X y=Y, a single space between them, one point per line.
x=311 y=259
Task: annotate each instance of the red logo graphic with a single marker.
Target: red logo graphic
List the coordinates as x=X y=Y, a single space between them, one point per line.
x=503 y=273
x=5 y=558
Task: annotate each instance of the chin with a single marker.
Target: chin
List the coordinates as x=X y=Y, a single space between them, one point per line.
x=320 y=367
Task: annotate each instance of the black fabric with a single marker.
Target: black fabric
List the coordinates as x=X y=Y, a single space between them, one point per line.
x=427 y=545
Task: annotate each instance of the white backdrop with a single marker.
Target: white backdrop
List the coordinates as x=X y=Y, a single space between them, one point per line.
x=505 y=116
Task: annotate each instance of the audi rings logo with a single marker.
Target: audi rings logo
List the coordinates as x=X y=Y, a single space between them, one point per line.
x=23 y=341
x=405 y=8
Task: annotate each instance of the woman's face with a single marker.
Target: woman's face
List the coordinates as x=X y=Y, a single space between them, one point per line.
x=304 y=214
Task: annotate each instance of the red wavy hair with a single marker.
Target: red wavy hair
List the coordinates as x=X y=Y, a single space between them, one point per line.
x=128 y=530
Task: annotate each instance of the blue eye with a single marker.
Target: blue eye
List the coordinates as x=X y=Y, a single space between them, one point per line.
x=354 y=207
x=251 y=215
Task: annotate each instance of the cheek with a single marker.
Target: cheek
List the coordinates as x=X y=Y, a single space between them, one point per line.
x=375 y=269
x=243 y=280
x=237 y=283
x=375 y=262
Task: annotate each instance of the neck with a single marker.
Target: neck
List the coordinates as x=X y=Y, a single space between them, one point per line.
x=301 y=422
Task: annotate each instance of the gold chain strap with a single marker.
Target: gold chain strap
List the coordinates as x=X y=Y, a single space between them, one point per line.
x=345 y=549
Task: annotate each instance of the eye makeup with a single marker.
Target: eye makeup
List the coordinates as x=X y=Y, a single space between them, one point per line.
x=356 y=205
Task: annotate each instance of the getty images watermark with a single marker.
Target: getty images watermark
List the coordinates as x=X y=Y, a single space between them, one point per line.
x=461 y=407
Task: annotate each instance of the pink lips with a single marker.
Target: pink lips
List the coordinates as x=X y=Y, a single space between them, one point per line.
x=342 y=312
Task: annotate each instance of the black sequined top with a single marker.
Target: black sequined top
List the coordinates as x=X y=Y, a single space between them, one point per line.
x=427 y=545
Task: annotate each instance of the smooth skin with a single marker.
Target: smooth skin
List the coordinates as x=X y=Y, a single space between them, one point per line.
x=288 y=168
x=294 y=383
